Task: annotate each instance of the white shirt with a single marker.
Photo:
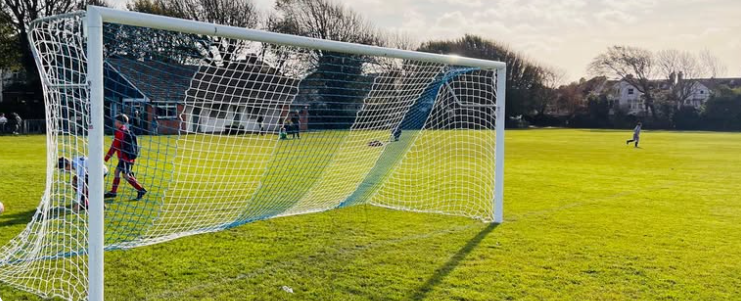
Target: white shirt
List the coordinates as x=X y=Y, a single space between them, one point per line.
x=79 y=164
x=3 y=120
x=637 y=130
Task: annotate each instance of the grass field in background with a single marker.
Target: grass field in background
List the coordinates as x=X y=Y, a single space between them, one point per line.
x=586 y=218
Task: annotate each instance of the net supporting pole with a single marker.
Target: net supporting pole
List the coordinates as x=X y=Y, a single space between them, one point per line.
x=94 y=29
x=499 y=148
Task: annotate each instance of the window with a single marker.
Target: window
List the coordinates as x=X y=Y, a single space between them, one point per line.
x=218 y=111
x=702 y=91
x=166 y=111
x=631 y=91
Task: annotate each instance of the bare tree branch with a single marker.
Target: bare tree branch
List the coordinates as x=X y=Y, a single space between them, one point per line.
x=635 y=66
x=713 y=67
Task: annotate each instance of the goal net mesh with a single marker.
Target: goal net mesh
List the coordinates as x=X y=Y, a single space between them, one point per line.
x=235 y=131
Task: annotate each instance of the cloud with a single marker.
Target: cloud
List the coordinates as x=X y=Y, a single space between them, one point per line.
x=566 y=33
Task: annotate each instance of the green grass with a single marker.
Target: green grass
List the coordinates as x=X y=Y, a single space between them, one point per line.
x=587 y=218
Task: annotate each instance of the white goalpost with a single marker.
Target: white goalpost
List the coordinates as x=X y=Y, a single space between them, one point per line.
x=237 y=125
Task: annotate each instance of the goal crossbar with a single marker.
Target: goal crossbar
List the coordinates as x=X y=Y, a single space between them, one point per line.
x=188 y=26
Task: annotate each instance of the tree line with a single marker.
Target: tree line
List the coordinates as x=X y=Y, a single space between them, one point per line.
x=667 y=84
x=536 y=94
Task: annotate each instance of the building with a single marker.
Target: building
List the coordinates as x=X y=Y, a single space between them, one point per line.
x=697 y=92
x=169 y=98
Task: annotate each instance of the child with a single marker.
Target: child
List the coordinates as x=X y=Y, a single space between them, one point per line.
x=80 y=180
x=396 y=133
x=636 y=135
x=125 y=161
x=283 y=134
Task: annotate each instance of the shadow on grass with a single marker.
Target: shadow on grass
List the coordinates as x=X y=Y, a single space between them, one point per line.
x=452 y=263
x=16 y=218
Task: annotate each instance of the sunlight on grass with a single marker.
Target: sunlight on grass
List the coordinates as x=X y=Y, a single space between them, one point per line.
x=586 y=218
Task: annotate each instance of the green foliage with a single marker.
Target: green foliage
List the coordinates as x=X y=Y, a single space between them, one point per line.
x=524 y=78
x=586 y=218
x=11 y=53
x=687 y=118
x=723 y=111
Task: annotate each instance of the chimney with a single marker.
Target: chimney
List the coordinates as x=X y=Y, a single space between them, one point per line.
x=673 y=78
x=680 y=76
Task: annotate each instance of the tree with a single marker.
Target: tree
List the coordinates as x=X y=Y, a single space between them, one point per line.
x=400 y=40
x=723 y=110
x=636 y=66
x=19 y=13
x=552 y=78
x=712 y=66
x=217 y=50
x=335 y=85
x=682 y=69
x=323 y=19
x=524 y=78
x=8 y=45
x=9 y=48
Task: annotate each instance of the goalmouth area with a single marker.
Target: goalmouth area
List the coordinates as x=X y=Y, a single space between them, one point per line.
x=588 y=218
x=258 y=165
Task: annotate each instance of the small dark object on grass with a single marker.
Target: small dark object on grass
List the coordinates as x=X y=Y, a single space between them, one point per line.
x=375 y=143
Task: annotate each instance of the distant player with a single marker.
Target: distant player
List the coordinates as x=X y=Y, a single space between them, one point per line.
x=296 y=126
x=636 y=135
x=78 y=165
x=283 y=135
x=260 y=123
x=396 y=133
x=125 y=145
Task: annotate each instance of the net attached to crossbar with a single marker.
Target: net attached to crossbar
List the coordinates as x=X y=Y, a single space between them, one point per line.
x=235 y=131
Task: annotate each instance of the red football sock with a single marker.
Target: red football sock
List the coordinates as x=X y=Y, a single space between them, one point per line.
x=135 y=183
x=116 y=181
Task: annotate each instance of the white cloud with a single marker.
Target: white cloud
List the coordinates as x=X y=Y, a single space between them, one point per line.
x=566 y=33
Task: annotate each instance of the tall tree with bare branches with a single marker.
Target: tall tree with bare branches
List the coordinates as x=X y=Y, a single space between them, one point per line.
x=217 y=50
x=636 y=66
x=681 y=69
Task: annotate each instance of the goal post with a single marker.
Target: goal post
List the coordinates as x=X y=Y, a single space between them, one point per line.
x=237 y=125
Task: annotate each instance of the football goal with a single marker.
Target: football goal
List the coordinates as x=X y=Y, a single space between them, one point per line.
x=211 y=127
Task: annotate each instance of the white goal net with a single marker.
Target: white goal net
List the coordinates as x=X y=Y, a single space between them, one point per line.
x=231 y=131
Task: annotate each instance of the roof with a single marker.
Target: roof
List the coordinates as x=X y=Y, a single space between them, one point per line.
x=157 y=80
x=714 y=83
x=244 y=82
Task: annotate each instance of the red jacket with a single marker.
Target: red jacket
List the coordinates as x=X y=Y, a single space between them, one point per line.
x=118 y=139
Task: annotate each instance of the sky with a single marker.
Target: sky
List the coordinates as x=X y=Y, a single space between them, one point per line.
x=568 y=34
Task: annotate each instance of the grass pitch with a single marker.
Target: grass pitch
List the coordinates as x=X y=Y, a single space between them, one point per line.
x=587 y=218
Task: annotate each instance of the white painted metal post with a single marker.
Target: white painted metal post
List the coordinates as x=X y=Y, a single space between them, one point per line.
x=111 y=15
x=499 y=149
x=94 y=29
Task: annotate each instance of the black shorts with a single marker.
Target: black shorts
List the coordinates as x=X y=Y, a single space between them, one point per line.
x=124 y=167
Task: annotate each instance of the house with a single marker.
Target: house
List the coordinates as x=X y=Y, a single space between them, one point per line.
x=698 y=92
x=169 y=98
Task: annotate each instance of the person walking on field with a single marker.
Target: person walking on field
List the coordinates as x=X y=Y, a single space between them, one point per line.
x=3 y=121
x=126 y=146
x=636 y=135
x=15 y=128
x=296 y=122
x=260 y=121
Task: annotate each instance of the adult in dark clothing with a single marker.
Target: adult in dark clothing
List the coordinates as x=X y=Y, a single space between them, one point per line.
x=296 y=121
x=15 y=126
x=260 y=121
x=3 y=122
